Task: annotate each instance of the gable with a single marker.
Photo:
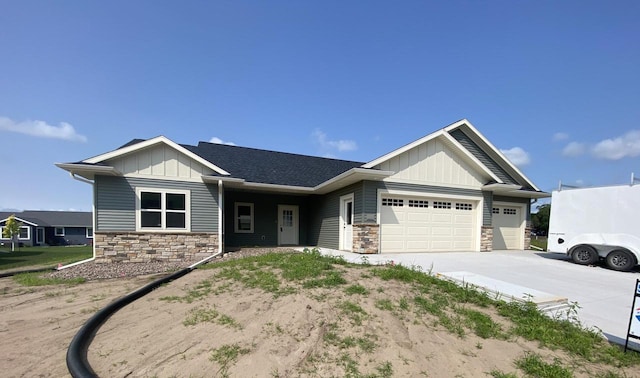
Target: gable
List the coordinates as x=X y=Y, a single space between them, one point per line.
x=159 y=160
x=434 y=162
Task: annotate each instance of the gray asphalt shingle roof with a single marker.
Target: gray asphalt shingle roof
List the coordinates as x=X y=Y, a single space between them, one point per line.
x=272 y=167
x=53 y=218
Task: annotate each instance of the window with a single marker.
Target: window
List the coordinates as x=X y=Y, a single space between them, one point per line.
x=506 y=211
x=495 y=210
x=89 y=232
x=243 y=218
x=418 y=203
x=59 y=231
x=441 y=205
x=392 y=202
x=162 y=210
x=464 y=206
x=23 y=234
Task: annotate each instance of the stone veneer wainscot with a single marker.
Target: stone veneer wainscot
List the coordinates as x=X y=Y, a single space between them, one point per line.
x=145 y=247
x=366 y=238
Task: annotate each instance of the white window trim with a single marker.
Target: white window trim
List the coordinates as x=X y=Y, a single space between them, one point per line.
x=163 y=210
x=87 y=232
x=19 y=238
x=235 y=218
x=56 y=233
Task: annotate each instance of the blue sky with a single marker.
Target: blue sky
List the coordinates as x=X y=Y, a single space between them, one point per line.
x=554 y=84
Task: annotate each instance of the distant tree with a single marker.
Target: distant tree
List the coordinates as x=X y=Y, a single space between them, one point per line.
x=11 y=230
x=540 y=220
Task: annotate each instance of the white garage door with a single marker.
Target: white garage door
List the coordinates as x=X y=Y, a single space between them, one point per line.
x=417 y=224
x=507 y=227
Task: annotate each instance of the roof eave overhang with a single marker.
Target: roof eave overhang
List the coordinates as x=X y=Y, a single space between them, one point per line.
x=19 y=220
x=351 y=177
x=513 y=191
x=344 y=179
x=152 y=142
x=88 y=171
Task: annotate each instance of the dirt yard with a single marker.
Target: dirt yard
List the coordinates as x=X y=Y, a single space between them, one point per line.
x=211 y=325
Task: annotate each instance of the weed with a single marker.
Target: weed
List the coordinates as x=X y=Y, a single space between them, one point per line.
x=384 y=304
x=481 y=323
x=385 y=369
x=356 y=289
x=227 y=355
x=354 y=311
x=533 y=365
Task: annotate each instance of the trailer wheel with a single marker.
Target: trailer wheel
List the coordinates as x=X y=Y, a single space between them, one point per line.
x=584 y=255
x=621 y=260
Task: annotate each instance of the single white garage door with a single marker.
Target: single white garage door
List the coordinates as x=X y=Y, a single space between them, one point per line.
x=418 y=224
x=507 y=227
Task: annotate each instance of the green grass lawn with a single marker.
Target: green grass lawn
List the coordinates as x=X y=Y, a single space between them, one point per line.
x=539 y=241
x=41 y=256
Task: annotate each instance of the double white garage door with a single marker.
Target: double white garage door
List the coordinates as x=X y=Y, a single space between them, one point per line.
x=420 y=224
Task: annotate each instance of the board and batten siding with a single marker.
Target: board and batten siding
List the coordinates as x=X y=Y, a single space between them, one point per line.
x=116 y=202
x=481 y=155
x=434 y=163
x=160 y=161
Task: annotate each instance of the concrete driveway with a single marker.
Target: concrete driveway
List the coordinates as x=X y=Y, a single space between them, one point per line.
x=603 y=295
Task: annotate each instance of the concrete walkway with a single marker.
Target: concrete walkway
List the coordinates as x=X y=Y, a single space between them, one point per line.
x=604 y=296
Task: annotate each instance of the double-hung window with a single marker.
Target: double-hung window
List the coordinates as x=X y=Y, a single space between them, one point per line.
x=163 y=210
x=243 y=218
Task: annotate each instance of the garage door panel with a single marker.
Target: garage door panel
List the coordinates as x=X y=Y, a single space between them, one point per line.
x=507 y=227
x=422 y=224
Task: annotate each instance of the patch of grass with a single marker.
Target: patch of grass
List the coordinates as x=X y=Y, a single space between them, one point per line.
x=531 y=324
x=385 y=369
x=540 y=242
x=481 y=324
x=227 y=355
x=43 y=256
x=353 y=311
x=533 y=365
x=331 y=279
x=356 y=289
x=385 y=304
x=36 y=279
x=203 y=315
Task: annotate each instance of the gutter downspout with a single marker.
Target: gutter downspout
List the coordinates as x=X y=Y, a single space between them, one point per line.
x=93 y=222
x=220 y=216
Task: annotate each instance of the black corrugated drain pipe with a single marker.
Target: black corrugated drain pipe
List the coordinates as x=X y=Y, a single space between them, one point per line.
x=77 y=361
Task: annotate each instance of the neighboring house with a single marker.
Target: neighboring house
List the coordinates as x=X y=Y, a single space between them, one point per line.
x=449 y=191
x=51 y=227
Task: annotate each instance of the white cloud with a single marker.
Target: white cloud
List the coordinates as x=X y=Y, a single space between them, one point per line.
x=217 y=140
x=560 y=136
x=41 y=129
x=627 y=145
x=340 y=145
x=517 y=156
x=574 y=149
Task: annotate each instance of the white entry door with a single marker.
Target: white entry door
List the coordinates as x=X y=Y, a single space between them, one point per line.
x=287 y=225
x=346 y=222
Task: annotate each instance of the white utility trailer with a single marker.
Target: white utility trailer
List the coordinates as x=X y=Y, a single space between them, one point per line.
x=589 y=224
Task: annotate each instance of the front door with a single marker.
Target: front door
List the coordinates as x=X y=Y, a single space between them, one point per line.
x=346 y=222
x=287 y=225
x=40 y=235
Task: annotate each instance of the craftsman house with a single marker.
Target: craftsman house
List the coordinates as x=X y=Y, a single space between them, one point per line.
x=40 y=228
x=451 y=190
